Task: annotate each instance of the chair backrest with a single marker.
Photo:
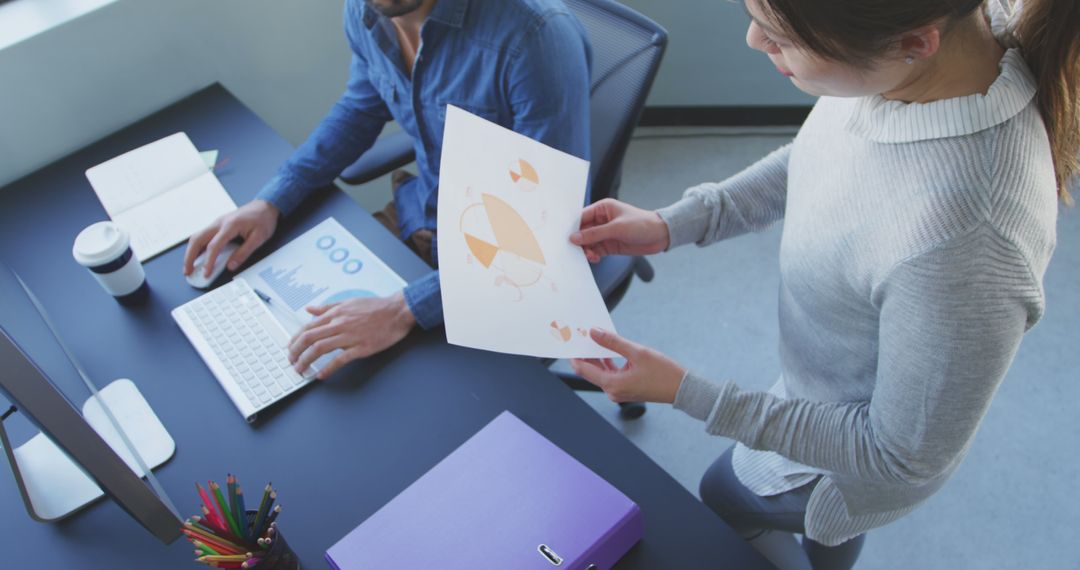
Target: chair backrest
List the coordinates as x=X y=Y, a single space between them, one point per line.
x=626 y=48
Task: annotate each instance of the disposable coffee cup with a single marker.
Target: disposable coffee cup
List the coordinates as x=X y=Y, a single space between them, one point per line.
x=105 y=249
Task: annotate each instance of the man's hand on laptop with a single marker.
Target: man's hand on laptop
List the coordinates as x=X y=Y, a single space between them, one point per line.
x=253 y=222
x=359 y=327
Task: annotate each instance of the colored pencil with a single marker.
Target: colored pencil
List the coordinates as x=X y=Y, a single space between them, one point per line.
x=207 y=530
x=225 y=562
x=220 y=549
x=202 y=523
x=242 y=514
x=199 y=533
x=220 y=546
x=219 y=502
x=238 y=515
x=212 y=537
x=273 y=516
x=264 y=505
x=216 y=489
x=230 y=558
x=208 y=505
x=211 y=518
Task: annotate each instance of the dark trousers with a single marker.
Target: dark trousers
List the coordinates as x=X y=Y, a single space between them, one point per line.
x=751 y=515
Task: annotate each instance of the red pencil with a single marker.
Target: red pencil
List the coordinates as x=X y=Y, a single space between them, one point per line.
x=212 y=521
x=215 y=543
x=221 y=547
x=215 y=517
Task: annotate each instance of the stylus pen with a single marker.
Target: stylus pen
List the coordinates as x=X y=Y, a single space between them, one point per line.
x=298 y=325
x=288 y=314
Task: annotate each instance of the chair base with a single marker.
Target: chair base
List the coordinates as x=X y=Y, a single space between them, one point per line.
x=631 y=410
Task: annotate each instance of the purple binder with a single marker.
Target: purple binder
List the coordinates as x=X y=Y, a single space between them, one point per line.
x=506 y=498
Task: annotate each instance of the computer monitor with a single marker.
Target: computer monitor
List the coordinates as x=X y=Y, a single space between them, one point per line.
x=27 y=349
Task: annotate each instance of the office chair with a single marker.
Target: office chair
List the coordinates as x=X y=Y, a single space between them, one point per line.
x=626 y=49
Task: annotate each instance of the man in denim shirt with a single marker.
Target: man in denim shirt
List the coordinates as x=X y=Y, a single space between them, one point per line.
x=523 y=64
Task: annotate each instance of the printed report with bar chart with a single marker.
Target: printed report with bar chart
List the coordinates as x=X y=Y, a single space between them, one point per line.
x=324 y=265
x=511 y=280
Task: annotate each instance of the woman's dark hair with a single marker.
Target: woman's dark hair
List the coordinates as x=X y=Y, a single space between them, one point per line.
x=857 y=32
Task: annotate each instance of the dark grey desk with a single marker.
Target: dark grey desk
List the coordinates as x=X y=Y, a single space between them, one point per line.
x=337 y=451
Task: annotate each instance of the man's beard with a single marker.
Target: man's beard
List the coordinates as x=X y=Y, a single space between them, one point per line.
x=394 y=8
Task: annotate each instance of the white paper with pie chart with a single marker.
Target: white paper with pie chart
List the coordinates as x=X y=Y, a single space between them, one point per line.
x=511 y=280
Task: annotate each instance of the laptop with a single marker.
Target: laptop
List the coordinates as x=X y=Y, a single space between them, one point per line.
x=506 y=498
x=242 y=329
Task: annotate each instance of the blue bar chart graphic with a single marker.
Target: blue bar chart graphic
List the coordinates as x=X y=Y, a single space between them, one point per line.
x=284 y=283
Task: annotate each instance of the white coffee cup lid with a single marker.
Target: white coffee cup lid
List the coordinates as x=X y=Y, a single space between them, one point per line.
x=99 y=243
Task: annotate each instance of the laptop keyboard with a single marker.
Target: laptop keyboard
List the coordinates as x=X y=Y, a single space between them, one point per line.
x=243 y=334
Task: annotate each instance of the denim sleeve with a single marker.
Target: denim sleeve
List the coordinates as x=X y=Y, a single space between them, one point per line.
x=424 y=298
x=549 y=85
x=344 y=134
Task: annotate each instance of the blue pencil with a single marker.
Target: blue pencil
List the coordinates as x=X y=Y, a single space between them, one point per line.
x=264 y=507
x=244 y=526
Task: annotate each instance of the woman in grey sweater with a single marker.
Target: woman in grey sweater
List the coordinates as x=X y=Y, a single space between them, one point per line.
x=919 y=202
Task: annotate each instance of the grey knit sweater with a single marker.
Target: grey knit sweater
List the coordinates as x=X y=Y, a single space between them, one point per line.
x=914 y=245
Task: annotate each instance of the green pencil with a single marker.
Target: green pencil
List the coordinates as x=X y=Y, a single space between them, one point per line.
x=237 y=515
x=264 y=512
x=205 y=548
x=264 y=505
x=229 y=519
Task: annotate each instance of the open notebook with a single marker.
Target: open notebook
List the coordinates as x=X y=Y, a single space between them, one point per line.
x=160 y=193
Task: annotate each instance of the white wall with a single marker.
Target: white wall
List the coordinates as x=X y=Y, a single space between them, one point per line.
x=285 y=59
x=708 y=63
x=288 y=61
x=71 y=85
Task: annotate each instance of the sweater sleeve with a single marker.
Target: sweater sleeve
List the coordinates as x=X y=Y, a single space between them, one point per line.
x=950 y=323
x=749 y=201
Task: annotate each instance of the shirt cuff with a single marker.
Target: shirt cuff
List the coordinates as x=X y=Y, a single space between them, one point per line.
x=698 y=397
x=284 y=192
x=687 y=221
x=424 y=298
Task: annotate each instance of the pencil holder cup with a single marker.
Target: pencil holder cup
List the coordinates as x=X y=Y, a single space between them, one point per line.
x=279 y=556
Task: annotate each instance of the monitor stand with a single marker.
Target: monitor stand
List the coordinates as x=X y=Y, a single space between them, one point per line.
x=53 y=486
